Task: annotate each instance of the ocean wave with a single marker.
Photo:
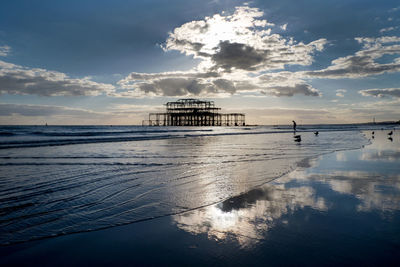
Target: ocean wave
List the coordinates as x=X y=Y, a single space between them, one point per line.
x=62 y=142
x=69 y=141
x=107 y=133
x=6 y=134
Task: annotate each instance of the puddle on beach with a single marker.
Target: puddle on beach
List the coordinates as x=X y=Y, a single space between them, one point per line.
x=352 y=196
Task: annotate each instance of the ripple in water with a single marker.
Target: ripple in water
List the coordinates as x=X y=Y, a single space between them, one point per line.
x=54 y=190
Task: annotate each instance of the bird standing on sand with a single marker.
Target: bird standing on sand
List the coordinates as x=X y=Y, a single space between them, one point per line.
x=316 y=133
x=297 y=138
x=390 y=133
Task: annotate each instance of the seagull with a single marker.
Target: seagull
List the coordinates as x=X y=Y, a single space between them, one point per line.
x=373 y=132
x=391 y=133
x=316 y=133
x=390 y=138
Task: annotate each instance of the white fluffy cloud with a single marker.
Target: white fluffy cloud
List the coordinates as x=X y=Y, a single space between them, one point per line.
x=340 y=92
x=364 y=62
x=239 y=53
x=240 y=41
x=388 y=29
x=4 y=50
x=15 y=79
x=235 y=52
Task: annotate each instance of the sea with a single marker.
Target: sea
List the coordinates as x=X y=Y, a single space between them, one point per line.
x=59 y=180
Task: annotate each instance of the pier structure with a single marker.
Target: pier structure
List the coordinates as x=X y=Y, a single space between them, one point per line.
x=194 y=112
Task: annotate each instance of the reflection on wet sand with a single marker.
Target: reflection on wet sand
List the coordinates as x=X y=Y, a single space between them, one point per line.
x=372 y=174
x=377 y=188
x=361 y=174
x=385 y=155
x=374 y=190
x=248 y=217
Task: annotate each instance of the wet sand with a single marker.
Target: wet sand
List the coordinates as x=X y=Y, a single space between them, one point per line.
x=341 y=208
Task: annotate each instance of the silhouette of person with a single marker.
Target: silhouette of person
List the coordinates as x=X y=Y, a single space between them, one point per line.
x=294 y=126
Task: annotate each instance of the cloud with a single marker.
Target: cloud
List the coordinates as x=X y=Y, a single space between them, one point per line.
x=240 y=41
x=388 y=29
x=235 y=51
x=38 y=114
x=42 y=110
x=304 y=89
x=381 y=155
x=384 y=109
x=284 y=27
x=174 y=87
x=278 y=115
x=226 y=85
x=363 y=63
x=340 y=92
x=15 y=79
x=237 y=56
x=4 y=50
x=285 y=83
x=192 y=84
x=393 y=92
x=135 y=76
x=363 y=186
x=248 y=217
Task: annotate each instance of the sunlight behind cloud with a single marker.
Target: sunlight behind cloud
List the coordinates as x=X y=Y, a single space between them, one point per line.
x=237 y=53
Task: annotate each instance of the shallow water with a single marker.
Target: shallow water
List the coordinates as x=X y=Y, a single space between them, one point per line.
x=343 y=209
x=335 y=209
x=50 y=185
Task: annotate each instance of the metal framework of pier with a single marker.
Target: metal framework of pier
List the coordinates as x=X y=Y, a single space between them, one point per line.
x=194 y=112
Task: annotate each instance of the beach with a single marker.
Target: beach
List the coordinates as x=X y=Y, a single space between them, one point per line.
x=201 y=196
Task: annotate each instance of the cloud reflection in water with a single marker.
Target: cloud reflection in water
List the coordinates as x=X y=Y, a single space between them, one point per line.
x=248 y=217
x=361 y=174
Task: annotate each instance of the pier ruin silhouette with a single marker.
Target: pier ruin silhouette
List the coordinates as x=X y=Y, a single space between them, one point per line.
x=194 y=112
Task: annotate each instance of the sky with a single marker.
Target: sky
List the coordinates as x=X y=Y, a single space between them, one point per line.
x=113 y=62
